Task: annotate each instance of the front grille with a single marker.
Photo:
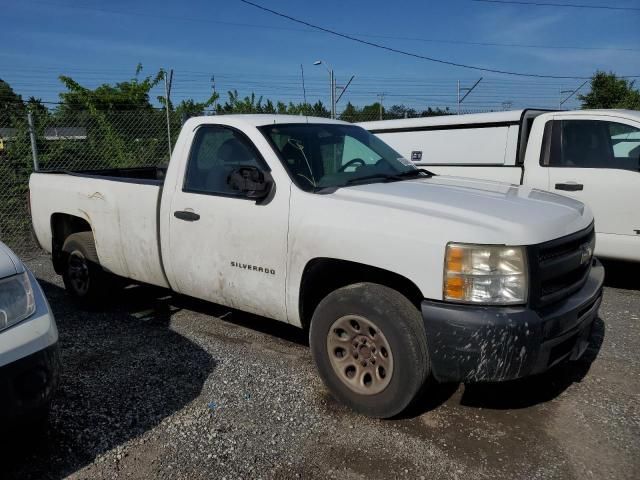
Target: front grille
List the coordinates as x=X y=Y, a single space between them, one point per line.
x=558 y=268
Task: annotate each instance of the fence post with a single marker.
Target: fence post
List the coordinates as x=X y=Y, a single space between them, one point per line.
x=167 y=93
x=34 y=145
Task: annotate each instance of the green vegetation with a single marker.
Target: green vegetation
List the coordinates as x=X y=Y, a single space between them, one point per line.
x=610 y=91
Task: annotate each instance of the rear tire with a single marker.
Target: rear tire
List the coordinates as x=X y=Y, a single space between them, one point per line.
x=370 y=347
x=84 y=278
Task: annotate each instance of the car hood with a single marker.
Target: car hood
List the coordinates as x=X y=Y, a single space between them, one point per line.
x=9 y=263
x=508 y=214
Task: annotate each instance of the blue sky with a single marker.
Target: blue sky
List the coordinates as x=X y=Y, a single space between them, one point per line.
x=245 y=48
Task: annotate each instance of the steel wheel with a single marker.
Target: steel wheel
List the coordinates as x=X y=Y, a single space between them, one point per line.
x=360 y=354
x=78 y=271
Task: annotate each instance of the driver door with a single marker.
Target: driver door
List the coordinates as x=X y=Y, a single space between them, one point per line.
x=224 y=247
x=597 y=160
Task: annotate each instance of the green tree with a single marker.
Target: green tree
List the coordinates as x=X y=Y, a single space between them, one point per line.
x=400 y=111
x=15 y=167
x=36 y=106
x=371 y=112
x=610 y=91
x=190 y=108
x=235 y=104
x=435 y=112
x=122 y=128
x=350 y=113
x=316 y=110
x=129 y=95
x=11 y=104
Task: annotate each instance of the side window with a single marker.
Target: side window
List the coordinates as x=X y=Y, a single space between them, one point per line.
x=215 y=153
x=625 y=140
x=595 y=144
x=355 y=149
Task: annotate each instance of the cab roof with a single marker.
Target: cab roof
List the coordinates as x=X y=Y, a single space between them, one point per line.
x=259 y=120
x=508 y=117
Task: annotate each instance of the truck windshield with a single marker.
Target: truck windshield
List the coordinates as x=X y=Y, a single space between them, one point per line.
x=325 y=155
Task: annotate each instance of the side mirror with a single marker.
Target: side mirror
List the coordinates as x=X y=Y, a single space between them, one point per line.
x=250 y=181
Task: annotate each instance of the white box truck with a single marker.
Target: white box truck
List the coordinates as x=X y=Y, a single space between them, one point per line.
x=590 y=155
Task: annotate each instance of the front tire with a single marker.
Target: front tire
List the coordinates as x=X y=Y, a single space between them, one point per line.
x=370 y=348
x=84 y=278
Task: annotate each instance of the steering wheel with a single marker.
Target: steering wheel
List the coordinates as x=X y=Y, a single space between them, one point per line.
x=382 y=161
x=351 y=163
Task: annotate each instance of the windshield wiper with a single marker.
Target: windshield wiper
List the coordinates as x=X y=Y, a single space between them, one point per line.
x=391 y=177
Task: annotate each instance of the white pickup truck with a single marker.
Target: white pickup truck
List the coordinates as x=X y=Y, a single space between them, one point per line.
x=590 y=155
x=399 y=275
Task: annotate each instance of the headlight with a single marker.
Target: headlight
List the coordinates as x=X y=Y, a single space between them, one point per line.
x=16 y=300
x=485 y=274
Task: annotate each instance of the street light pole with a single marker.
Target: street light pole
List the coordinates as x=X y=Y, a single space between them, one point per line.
x=333 y=94
x=332 y=86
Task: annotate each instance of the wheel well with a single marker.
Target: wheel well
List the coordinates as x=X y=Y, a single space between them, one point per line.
x=63 y=225
x=322 y=276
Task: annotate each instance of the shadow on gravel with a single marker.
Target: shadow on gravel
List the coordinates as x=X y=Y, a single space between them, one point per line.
x=624 y=275
x=266 y=326
x=124 y=371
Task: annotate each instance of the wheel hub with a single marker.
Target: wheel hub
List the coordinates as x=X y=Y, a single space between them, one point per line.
x=78 y=271
x=360 y=354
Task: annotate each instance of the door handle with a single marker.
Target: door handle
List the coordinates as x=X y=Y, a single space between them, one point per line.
x=186 y=215
x=569 y=187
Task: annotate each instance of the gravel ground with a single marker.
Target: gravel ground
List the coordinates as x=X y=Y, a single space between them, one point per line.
x=162 y=386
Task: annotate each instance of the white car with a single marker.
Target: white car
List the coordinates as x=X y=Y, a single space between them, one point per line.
x=29 y=355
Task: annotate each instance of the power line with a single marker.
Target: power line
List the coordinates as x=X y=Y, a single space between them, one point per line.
x=410 y=54
x=368 y=35
x=568 y=5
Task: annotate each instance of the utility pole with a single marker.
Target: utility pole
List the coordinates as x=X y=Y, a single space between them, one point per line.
x=468 y=90
x=333 y=95
x=344 y=89
x=304 y=89
x=213 y=87
x=381 y=97
x=571 y=93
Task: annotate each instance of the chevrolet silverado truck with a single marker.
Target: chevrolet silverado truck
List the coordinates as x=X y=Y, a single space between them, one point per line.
x=399 y=276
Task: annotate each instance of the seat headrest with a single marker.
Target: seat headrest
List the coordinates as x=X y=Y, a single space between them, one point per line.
x=233 y=151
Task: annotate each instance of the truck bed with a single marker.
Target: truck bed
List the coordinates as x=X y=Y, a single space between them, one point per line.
x=143 y=175
x=120 y=206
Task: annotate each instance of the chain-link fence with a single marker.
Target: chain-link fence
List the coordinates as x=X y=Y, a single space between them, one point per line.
x=71 y=140
x=81 y=140
x=90 y=140
x=15 y=167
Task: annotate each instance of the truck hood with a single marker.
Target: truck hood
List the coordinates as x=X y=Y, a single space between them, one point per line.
x=508 y=214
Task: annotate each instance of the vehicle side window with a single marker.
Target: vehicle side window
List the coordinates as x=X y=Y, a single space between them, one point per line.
x=595 y=144
x=215 y=153
x=356 y=150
